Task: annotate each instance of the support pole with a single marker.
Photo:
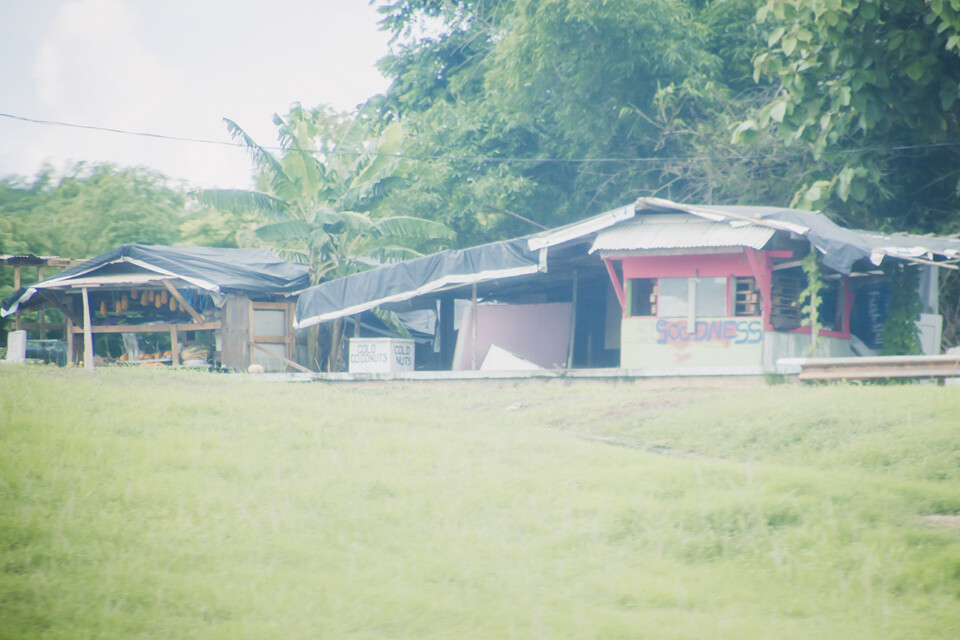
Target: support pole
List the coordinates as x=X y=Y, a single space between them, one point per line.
x=183 y=303
x=68 y=334
x=617 y=286
x=473 y=328
x=447 y=341
x=174 y=348
x=87 y=332
x=573 y=319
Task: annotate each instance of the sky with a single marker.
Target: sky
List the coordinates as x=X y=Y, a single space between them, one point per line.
x=176 y=68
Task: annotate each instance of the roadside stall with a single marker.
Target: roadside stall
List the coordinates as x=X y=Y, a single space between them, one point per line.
x=174 y=306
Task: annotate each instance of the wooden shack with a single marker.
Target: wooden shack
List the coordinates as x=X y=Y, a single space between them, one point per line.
x=222 y=307
x=658 y=287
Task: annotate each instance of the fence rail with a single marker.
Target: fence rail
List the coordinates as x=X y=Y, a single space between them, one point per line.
x=879 y=367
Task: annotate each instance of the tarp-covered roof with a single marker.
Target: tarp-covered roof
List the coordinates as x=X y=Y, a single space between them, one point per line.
x=445 y=270
x=748 y=226
x=405 y=280
x=253 y=271
x=840 y=247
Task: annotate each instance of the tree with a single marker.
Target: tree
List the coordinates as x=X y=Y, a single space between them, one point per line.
x=870 y=89
x=316 y=199
x=85 y=211
x=525 y=91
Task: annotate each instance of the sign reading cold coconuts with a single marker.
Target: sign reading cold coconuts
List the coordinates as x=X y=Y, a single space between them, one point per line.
x=380 y=355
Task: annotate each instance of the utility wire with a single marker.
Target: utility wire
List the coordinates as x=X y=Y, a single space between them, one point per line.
x=506 y=160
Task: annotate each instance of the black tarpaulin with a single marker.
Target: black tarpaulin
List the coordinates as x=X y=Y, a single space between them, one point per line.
x=841 y=247
x=405 y=280
x=253 y=271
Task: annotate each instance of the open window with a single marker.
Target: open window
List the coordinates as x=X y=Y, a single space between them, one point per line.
x=643 y=296
x=746 y=296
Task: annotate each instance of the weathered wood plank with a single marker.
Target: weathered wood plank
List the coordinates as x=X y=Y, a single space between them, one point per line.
x=879 y=367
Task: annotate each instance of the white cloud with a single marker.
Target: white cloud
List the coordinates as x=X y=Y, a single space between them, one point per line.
x=178 y=67
x=91 y=66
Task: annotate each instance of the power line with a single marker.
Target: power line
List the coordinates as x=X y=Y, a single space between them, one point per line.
x=490 y=159
x=142 y=134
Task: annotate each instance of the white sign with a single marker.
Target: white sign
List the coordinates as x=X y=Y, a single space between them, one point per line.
x=380 y=355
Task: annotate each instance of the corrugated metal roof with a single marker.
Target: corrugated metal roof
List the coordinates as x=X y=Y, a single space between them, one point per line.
x=679 y=232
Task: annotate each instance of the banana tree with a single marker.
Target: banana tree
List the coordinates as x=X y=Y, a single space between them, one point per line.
x=317 y=200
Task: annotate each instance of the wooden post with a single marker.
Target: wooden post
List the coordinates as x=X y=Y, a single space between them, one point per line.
x=183 y=303
x=573 y=319
x=174 y=348
x=447 y=343
x=473 y=328
x=87 y=332
x=16 y=287
x=68 y=334
x=42 y=314
x=290 y=332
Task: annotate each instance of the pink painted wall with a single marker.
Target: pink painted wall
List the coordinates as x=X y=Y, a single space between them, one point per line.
x=539 y=333
x=711 y=265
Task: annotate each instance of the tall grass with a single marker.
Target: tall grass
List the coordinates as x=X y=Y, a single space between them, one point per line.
x=164 y=504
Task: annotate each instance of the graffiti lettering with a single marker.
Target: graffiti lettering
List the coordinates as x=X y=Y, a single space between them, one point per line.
x=728 y=331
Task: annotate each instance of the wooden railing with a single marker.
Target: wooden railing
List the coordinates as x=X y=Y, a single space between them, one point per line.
x=879 y=367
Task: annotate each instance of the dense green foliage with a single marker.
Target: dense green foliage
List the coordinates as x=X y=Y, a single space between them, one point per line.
x=574 y=90
x=872 y=89
x=89 y=209
x=838 y=104
x=900 y=332
x=149 y=503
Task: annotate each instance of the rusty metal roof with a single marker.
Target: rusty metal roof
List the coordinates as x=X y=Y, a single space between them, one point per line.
x=653 y=232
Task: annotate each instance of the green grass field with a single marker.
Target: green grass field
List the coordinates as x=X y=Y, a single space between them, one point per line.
x=159 y=504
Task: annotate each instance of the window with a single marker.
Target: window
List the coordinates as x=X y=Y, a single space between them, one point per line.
x=785 y=288
x=643 y=297
x=708 y=295
x=746 y=297
x=830 y=311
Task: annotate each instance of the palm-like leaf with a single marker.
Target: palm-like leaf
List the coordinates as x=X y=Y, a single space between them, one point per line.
x=385 y=158
x=391 y=321
x=286 y=231
x=263 y=158
x=393 y=253
x=410 y=227
x=242 y=201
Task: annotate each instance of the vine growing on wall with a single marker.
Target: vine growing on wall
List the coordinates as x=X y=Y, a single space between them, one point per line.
x=810 y=298
x=900 y=331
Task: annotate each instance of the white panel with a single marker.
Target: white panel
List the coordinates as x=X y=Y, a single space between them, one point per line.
x=711 y=297
x=269 y=322
x=672 y=297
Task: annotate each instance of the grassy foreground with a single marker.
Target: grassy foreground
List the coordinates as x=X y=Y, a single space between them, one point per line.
x=175 y=504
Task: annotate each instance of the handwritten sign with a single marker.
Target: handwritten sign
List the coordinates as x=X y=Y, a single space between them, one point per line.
x=376 y=355
x=725 y=331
